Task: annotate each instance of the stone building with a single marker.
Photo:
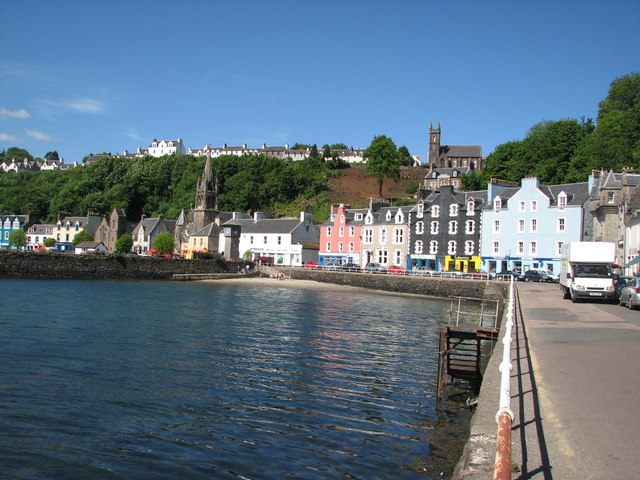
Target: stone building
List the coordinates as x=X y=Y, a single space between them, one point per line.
x=112 y=228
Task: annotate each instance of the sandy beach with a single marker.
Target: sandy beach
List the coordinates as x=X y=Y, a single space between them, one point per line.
x=286 y=283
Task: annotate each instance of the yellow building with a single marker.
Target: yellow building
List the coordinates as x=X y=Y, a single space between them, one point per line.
x=68 y=227
x=462 y=263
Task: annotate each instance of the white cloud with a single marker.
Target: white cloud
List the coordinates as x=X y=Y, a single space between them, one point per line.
x=85 y=105
x=133 y=134
x=7 y=138
x=81 y=105
x=22 y=113
x=38 y=135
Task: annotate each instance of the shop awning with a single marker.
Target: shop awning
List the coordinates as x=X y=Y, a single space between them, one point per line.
x=633 y=262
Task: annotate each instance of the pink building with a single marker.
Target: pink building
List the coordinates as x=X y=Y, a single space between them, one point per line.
x=340 y=236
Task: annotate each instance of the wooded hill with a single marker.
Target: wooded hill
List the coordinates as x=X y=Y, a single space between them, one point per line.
x=561 y=151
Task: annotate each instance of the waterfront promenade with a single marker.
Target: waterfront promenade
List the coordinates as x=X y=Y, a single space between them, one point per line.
x=575 y=392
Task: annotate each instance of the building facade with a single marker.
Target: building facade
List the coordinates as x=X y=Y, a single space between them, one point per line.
x=445 y=230
x=526 y=227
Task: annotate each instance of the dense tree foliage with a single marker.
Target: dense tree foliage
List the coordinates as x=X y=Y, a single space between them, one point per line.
x=383 y=160
x=164 y=185
x=124 y=243
x=568 y=150
x=82 y=236
x=17 y=238
x=163 y=243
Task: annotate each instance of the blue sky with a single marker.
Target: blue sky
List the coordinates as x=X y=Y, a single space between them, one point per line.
x=84 y=77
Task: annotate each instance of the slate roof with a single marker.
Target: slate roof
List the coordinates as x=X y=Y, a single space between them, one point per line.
x=271 y=225
x=90 y=223
x=454 y=151
x=577 y=193
x=150 y=224
x=210 y=230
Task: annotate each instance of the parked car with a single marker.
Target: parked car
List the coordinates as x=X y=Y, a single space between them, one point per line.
x=451 y=274
x=504 y=275
x=374 y=268
x=478 y=274
x=350 y=267
x=426 y=272
x=553 y=276
x=312 y=264
x=397 y=270
x=536 y=276
x=630 y=294
x=620 y=283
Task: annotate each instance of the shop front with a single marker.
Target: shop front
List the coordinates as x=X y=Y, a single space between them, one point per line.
x=462 y=263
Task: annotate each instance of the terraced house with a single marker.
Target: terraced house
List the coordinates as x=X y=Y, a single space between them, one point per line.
x=66 y=228
x=341 y=236
x=524 y=227
x=385 y=236
x=445 y=230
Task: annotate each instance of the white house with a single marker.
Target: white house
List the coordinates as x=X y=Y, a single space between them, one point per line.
x=281 y=241
x=36 y=235
x=158 y=148
x=90 y=247
x=146 y=232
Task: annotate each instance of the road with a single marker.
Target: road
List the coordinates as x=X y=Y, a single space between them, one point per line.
x=576 y=415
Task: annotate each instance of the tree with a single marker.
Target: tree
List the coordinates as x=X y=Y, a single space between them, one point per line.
x=163 y=243
x=49 y=242
x=52 y=156
x=383 y=160
x=17 y=239
x=407 y=159
x=124 y=243
x=82 y=236
x=18 y=154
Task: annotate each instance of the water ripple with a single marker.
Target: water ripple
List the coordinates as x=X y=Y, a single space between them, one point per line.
x=166 y=380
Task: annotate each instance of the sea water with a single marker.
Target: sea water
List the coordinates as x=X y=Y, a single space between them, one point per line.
x=106 y=379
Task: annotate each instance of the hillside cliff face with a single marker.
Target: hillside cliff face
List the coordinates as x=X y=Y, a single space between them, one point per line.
x=354 y=188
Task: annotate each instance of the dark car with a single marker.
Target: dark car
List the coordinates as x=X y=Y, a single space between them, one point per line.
x=620 y=283
x=350 y=267
x=536 y=276
x=507 y=274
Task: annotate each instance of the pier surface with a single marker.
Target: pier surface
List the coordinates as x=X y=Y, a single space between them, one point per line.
x=575 y=392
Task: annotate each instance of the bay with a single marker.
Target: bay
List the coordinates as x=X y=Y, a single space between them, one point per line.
x=104 y=379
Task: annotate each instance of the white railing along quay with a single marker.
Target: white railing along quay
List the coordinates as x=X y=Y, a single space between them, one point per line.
x=504 y=416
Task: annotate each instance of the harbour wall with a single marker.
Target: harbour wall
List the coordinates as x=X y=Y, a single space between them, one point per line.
x=105 y=267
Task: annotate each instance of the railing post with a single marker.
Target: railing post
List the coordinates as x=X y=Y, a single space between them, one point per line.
x=504 y=416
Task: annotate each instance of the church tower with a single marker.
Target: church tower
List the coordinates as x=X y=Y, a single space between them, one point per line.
x=205 y=209
x=434 y=146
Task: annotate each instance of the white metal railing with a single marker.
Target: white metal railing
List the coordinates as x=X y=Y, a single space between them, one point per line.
x=504 y=416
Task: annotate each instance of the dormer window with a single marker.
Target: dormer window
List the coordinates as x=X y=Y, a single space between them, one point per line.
x=399 y=217
x=497 y=204
x=358 y=216
x=453 y=210
x=388 y=216
x=420 y=213
x=368 y=220
x=562 y=201
x=471 y=206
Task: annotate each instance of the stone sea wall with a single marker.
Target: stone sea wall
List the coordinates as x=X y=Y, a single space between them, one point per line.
x=434 y=287
x=107 y=267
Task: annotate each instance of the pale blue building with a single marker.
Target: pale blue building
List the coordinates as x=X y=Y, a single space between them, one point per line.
x=524 y=227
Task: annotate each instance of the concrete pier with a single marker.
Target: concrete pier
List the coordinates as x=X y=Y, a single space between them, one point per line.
x=575 y=391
